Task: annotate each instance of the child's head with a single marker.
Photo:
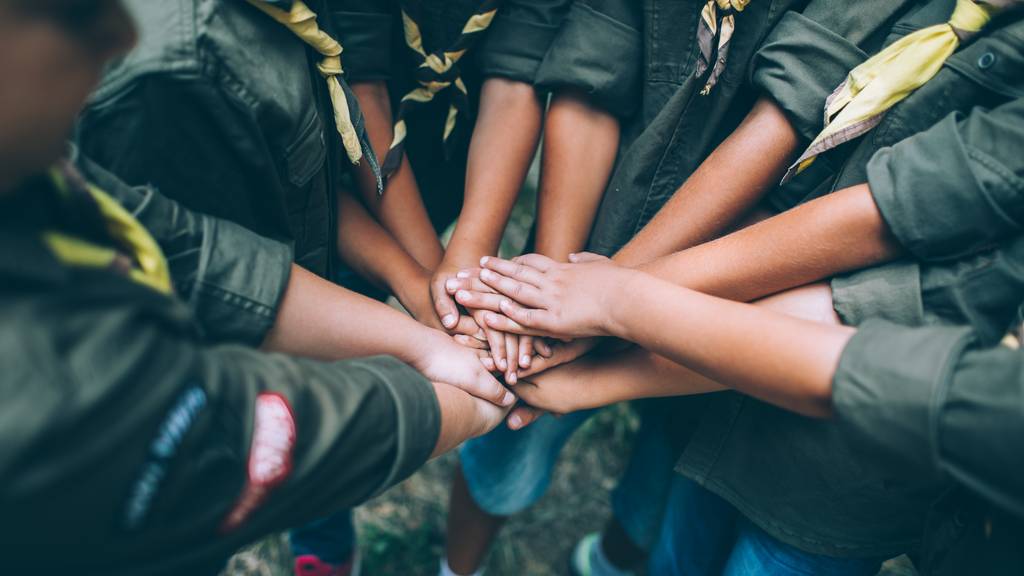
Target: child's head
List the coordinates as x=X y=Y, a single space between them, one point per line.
x=52 y=53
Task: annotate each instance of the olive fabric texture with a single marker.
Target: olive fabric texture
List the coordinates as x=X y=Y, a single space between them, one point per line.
x=136 y=446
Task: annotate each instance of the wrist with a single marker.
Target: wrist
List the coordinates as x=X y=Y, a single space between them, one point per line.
x=403 y=277
x=408 y=284
x=466 y=249
x=618 y=316
x=411 y=343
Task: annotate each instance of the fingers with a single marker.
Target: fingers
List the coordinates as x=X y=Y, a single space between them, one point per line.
x=495 y=341
x=480 y=300
x=505 y=324
x=472 y=342
x=486 y=360
x=523 y=416
x=517 y=290
x=583 y=257
x=526 y=347
x=515 y=270
x=486 y=387
x=542 y=348
x=443 y=304
x=542 y=263
x=453 y=285
x=467 y=326
x=511 y=354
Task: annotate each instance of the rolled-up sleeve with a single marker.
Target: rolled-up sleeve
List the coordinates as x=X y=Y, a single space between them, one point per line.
x=150 y=444
x=365 y=29
x=933 y=399
x=808 y=54
x=519 y=38
x=599 y=51
x=956 y=188
x=232 y=278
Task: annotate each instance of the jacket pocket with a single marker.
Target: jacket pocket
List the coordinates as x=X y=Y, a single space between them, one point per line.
x=305 y=156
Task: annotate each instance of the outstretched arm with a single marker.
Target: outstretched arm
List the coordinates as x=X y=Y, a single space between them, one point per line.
x=504 y=141
x=827 y=236
x=720 y=340
x=318 y=319
x=723 y=189
x=400 y=208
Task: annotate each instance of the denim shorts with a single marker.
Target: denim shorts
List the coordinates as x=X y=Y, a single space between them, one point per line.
x=507 y=471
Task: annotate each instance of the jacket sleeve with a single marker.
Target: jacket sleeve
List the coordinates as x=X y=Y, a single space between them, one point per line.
x=232 y=278
x=129 y=444
x=365 y=29
x=809 y=53
x=936 y=400
x=956 y=188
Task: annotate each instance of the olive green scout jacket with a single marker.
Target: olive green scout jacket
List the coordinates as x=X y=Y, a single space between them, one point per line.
x=936 y=400
x=946 y=171
x=676 y=127
x=223 y=109
x=138 y=439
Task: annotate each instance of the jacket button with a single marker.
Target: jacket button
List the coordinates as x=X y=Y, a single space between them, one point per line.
x=986 y=60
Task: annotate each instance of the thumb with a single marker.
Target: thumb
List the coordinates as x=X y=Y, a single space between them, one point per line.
x=445 y=307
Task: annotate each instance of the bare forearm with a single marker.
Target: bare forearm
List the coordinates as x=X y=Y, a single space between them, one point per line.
x=318 y=319
x=371 y=251
x=611 y=378
x=723 y=189
x=460 y=418
x=780 y=359
x=580 y=143
x=504 y=141
x=827 y=236
x=400 y=209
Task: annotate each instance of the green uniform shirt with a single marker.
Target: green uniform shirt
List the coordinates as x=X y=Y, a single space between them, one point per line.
x=223 y=110
x=676 y=127
x=956 y=411
x=945 y=169
x=134 y=445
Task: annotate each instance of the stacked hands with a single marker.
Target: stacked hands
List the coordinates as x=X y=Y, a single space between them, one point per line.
x=530 y=315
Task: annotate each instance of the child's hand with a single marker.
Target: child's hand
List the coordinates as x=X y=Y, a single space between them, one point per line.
x=474 y=295
x=559 y=391
x=440 y=359
x=559 y=353
x=545 y=298
x=445 y=307
x=415 y=297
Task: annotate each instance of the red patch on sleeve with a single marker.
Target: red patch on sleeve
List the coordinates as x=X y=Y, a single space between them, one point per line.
x=270 y=456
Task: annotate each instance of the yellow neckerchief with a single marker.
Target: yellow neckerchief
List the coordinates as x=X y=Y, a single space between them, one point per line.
x=301 y=20
x=718 y=23
x=148 y=266
x=437 y=72
x=888 y=77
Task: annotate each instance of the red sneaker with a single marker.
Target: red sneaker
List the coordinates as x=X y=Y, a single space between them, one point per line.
x=310 y=565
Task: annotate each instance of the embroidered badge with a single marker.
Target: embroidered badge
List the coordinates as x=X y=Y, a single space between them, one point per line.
x=270 y=456
x=165 y=444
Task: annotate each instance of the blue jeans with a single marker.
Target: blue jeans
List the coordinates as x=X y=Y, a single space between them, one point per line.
x=332 y=539
x=507 y=471
x=703 y=535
